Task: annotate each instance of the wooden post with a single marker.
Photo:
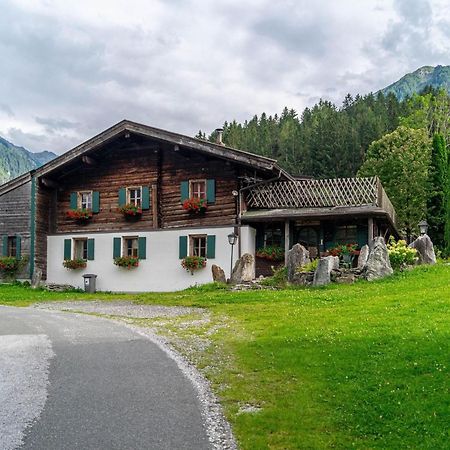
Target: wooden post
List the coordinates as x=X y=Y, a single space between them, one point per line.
x=287 y=243
x=155 y=206
x=370 y=230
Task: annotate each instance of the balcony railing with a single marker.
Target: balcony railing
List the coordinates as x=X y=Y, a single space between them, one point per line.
x=310 y=193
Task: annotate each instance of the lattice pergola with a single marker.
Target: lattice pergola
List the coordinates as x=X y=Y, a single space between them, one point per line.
x=310 y=193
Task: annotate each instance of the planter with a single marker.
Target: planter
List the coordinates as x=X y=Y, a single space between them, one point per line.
x=131 y=211
x=128 y=262
x=74 y=264
x=193 y=263
x=80 y=215
x=271 y=253
x=195 y=205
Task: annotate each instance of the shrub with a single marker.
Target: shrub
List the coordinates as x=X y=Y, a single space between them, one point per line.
x=74 y=263
x=278 y=279
x=271 y=253
x=192 y=263
x=126 y=261
x=195 y=205
x=343 y=249
x=310 y=267
x=10 y=264
x=400 y=255
x=130 y=210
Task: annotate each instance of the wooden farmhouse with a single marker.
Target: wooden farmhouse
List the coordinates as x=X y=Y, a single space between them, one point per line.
x=149 y=198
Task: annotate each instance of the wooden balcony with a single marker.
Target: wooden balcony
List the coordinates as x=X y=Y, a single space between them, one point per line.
x=311 y=197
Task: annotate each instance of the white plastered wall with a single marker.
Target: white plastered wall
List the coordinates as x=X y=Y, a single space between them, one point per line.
x=160 y=271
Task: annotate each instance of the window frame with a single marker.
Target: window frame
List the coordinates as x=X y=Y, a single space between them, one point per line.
x=345 y=228
x=80 y=199
x=192 y=194
x=125 y=248
x=84 y=251
x=197 y=248
x=138 y=200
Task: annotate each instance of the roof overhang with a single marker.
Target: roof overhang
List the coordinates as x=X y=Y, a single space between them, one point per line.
x=15 y=183
x=122 y=128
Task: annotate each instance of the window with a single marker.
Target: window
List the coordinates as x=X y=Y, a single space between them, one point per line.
x=134 y=196
x=12 y=246
x=197 y=188
x=197 y=246
x=345 y=234
x=273 y=236
x=80 y=249
x=130 y=247
x=84 y=200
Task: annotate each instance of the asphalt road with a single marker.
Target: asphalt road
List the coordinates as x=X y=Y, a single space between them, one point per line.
x=69 y=381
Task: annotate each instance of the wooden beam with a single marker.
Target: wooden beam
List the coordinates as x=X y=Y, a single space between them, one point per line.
x=155 y=206
x=89 y=160
x=47 y=182
x=287 y=244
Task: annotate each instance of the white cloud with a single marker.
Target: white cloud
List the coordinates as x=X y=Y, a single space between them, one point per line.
x=71 y=69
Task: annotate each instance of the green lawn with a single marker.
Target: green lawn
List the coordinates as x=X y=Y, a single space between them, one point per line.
x=361 y=366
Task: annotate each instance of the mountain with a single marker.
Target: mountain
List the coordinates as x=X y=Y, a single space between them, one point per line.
x=437 y=77
x=15 y=161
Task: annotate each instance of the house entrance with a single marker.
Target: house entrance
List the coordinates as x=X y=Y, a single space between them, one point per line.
x=309 y=237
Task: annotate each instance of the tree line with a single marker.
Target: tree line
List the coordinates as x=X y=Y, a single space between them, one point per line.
x=404 y=142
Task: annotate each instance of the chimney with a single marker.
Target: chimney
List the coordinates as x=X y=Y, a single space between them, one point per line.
x=219 y=132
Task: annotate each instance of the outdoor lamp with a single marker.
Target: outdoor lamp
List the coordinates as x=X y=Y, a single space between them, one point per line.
x=423 y=227
x=232 y=237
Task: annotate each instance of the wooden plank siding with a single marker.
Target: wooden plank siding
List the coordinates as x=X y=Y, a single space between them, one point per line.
x=15 y=218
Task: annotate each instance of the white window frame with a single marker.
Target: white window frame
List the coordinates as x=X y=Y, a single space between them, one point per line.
x=76 y=250
x=193 y=194
x=80 y=199
x=136 y=201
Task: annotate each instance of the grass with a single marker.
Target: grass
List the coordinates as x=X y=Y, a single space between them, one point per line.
x=360 y=366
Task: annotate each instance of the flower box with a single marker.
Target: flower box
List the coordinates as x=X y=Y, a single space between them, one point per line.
x=80 y=215
x=126 y=261
x=74 y=264
x=9 y=264
x=271 y=253
x=195 y=205
x=130 y=210
x=193 y=263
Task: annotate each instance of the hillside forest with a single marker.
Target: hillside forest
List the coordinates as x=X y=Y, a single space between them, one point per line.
x=404 y=142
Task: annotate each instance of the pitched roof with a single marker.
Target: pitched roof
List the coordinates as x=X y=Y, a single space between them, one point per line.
x=126 y=126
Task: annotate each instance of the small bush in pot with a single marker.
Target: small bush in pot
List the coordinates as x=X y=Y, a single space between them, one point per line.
x=126 y=261
x=271 y=253
x=195 y=205
x=193 y=263
x=74 y=264
x=130 y=210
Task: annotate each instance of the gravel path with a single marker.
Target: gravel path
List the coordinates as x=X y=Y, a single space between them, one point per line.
x=121 y=309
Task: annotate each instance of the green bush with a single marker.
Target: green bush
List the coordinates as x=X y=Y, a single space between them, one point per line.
x=400 y=254
x=310 y=267
x=271 y=253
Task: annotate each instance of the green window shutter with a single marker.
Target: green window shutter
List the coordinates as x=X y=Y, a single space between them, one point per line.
x=183 y=247
x=122 y=197
x=18 y=247
x=90 y=249
x=145 y=197
x=116 y=247
x=95 y=202
x=73 y=200
x=5 y=246
x=211 y=246
x=184 y=190
x=67 y=248
x=211 y=191
x=142 y=247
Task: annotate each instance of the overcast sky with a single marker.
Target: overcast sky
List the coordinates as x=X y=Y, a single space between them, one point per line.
x=70 y=69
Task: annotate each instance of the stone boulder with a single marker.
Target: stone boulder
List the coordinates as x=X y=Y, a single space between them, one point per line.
x=322 y=275
x=378 y=264
x=244 y=269
x=363 y=255
x=36 y=279
x=297 y=257
x=425 y=249
x=218 y=274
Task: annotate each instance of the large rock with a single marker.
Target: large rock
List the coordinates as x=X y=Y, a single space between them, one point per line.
x=322 y=275
x=363 y=256
x=425 y=249
x=297 y=257
x=244 y=269
x=218 y=274
x=36 y=278
x=378 y=264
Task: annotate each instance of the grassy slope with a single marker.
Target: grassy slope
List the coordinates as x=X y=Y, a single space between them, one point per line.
x=362 y=366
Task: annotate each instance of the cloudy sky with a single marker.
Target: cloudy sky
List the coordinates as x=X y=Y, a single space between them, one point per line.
x=71 y=69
